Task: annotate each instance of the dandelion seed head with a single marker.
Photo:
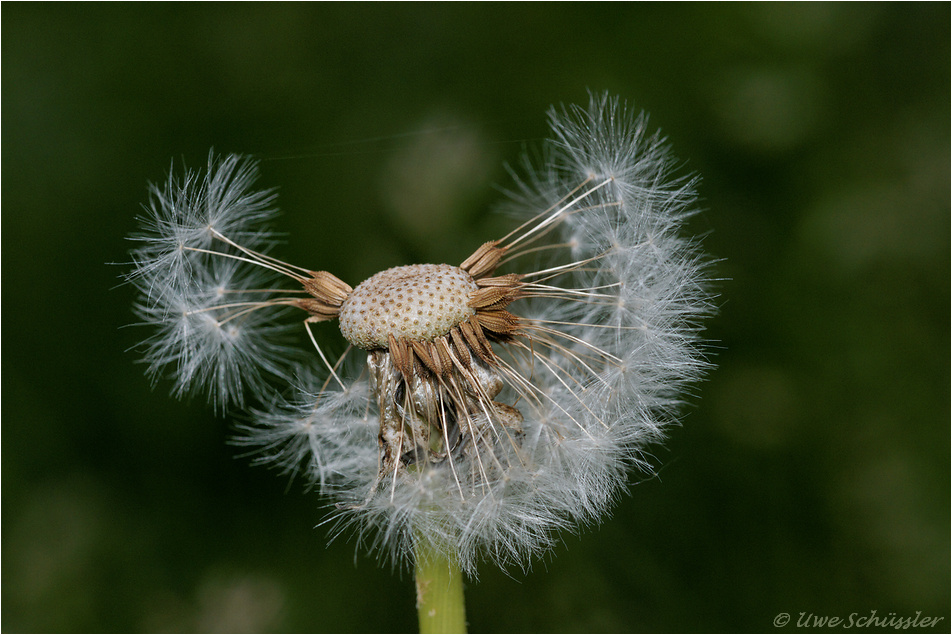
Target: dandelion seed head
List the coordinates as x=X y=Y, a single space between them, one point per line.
x=480 y=408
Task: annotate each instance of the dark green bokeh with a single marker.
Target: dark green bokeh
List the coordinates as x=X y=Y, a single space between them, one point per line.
x=812 y=471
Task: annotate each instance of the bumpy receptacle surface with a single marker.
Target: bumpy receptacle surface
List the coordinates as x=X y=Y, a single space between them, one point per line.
x=415 y=302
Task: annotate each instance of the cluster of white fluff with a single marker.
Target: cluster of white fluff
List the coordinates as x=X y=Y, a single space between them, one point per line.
x=181 y=284
x=612 y=340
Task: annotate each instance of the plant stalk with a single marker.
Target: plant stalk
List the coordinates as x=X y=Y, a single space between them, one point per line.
x=439 y=587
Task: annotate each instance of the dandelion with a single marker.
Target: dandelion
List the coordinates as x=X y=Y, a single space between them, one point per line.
x=478 y=408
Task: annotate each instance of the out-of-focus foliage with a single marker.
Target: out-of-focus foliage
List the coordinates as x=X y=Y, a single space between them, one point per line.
x=812 y=471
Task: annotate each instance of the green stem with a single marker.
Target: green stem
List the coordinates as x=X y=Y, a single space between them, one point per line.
x=439 y=587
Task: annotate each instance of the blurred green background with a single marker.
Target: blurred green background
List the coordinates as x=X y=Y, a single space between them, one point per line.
x=811 y=473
